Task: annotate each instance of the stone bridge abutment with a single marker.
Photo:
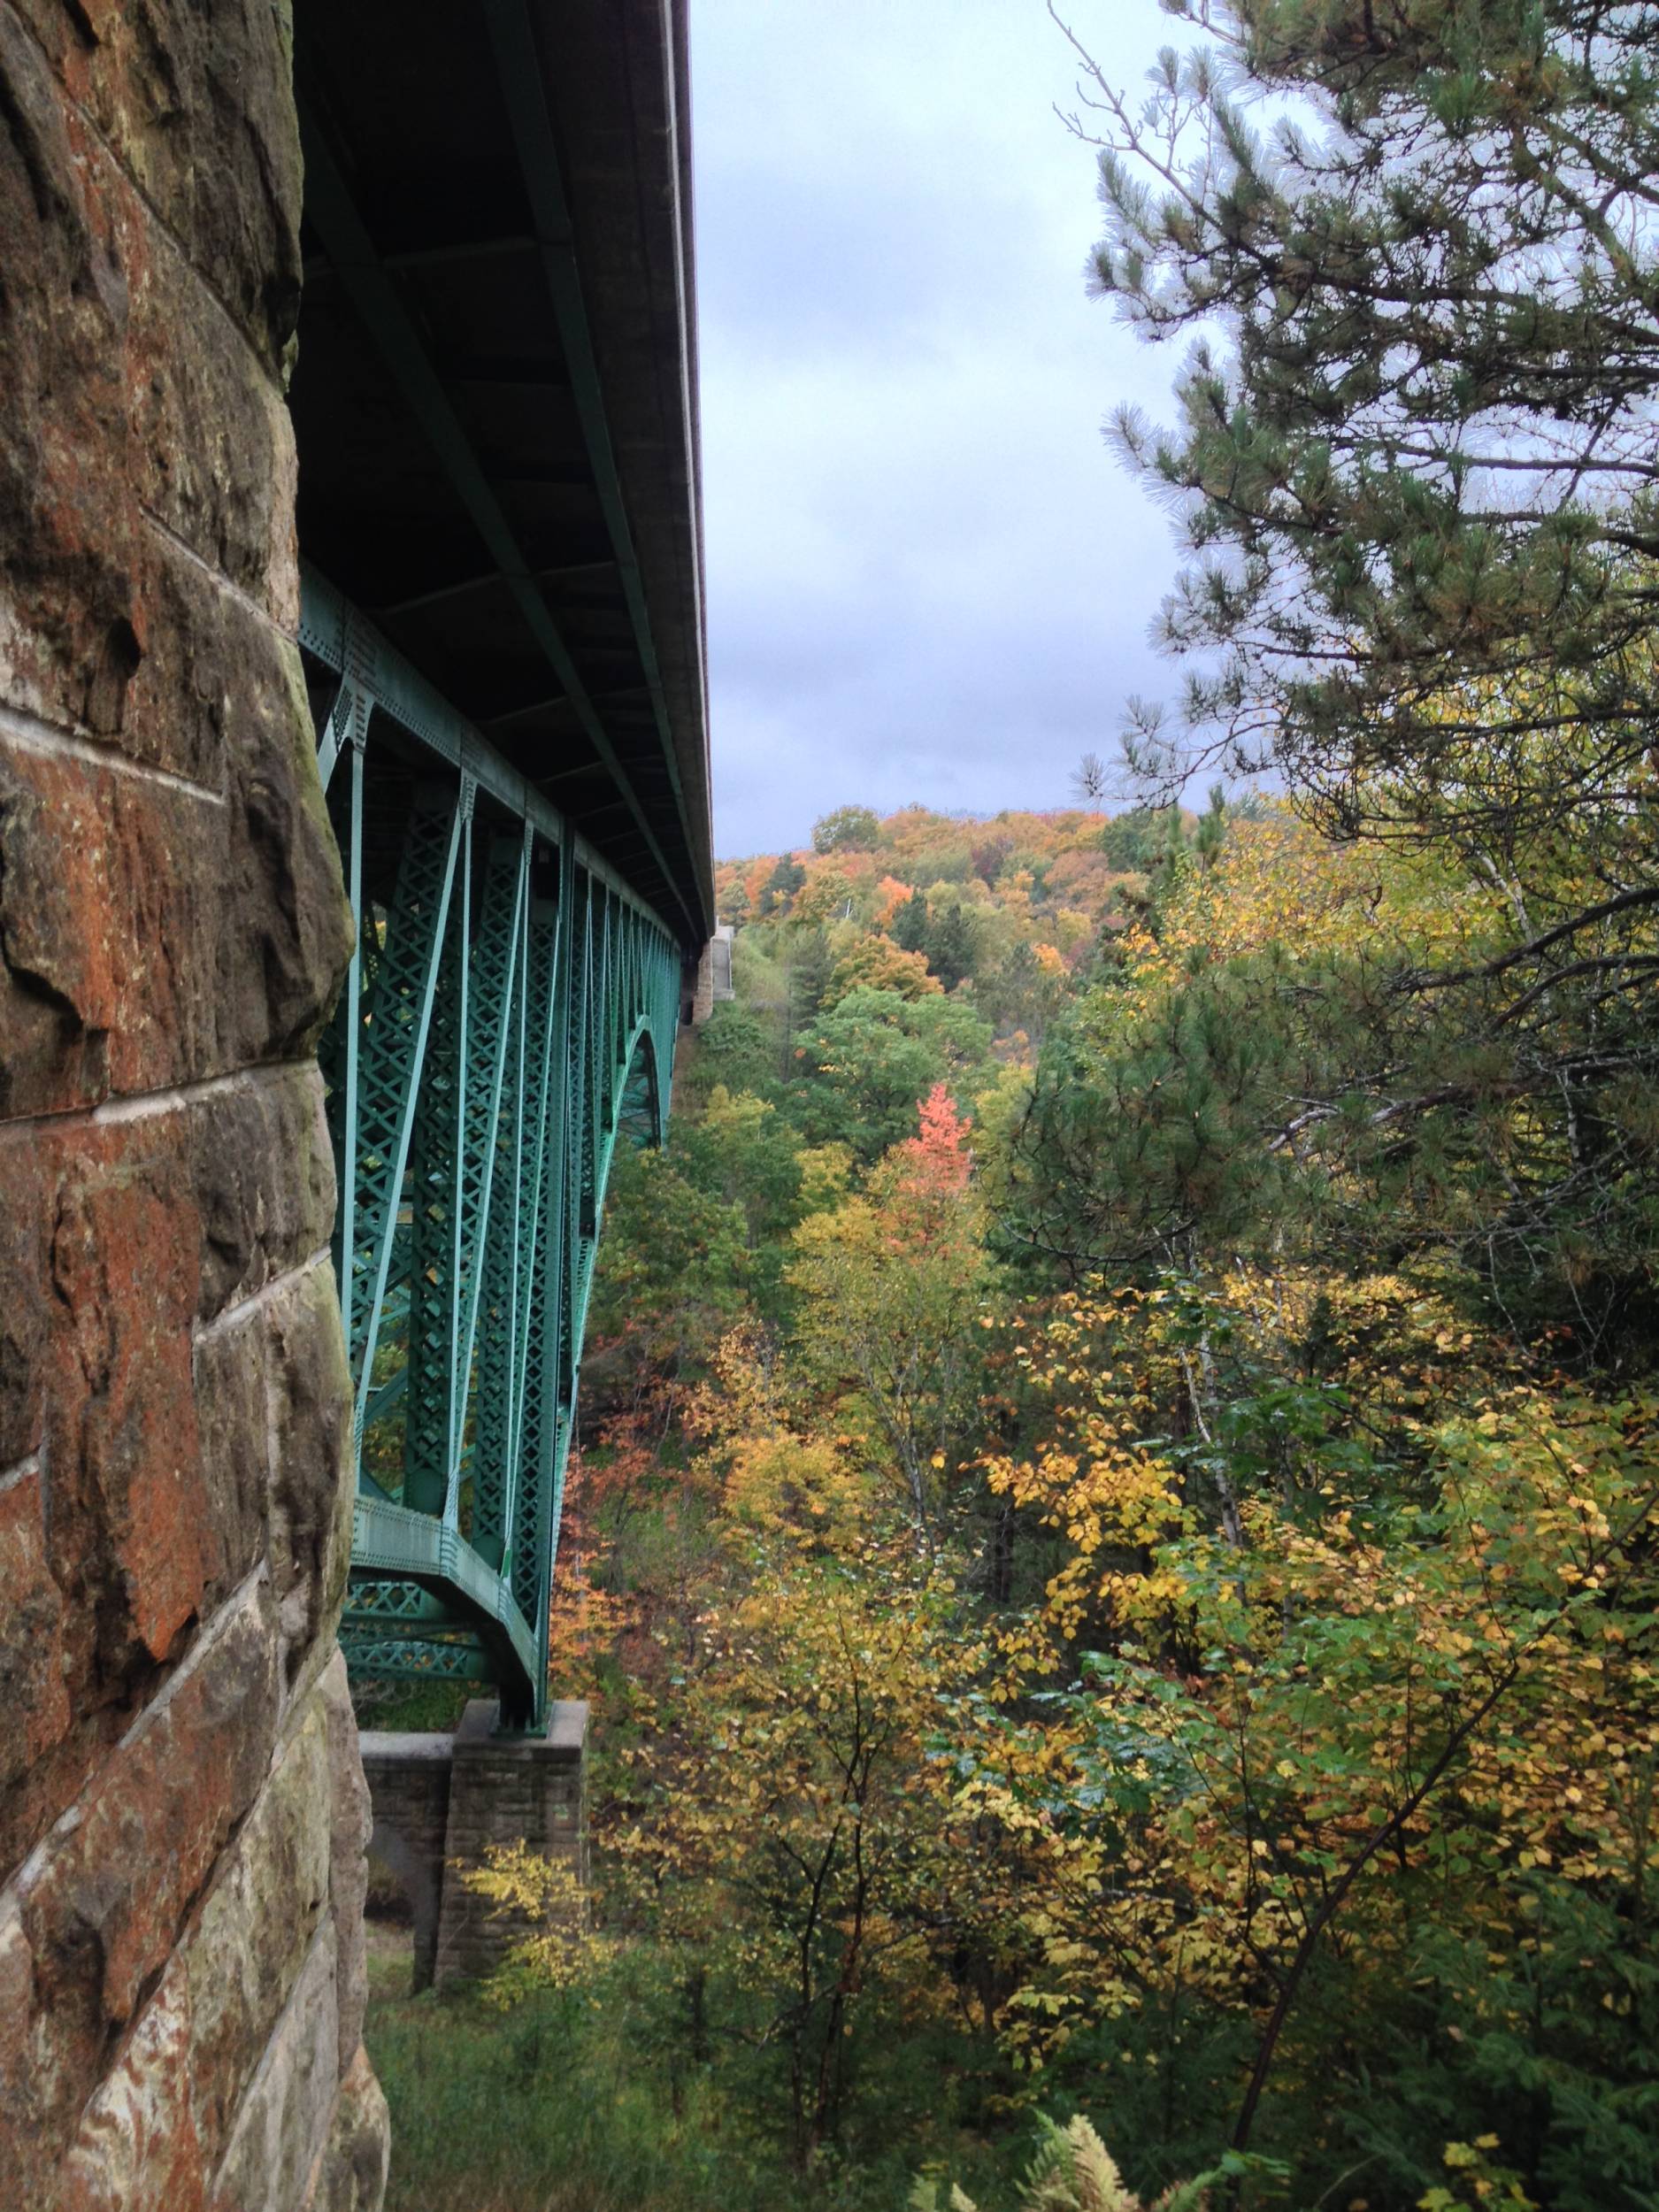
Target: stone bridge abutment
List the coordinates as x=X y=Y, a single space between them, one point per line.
x=182 y=1812
x=441 y=1803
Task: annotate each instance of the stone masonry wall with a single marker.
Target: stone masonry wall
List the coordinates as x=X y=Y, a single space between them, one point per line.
x=409 y=1791
x=441 y=1803
x=182 y=1814
x=504 y=1791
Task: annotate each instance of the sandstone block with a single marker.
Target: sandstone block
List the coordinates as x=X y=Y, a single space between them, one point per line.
x=210 y=452
x=209 y=667
x=114 y=359
x=309 y=1402
x=129 y=1510
x=232 y=1422
x=153 y=1464
x=68 y=521
x=350 y=2173
x=150 y=938
x=244 y=1954
x=157 y=2125
x=97 y=1910
x=263 y=1176
x=284 y=2120
x=352 y=1820
x=34 y=1662
x=198 y=104
x=24 y=1224
x=61 y=971
x=287 y=931
x=136 y=2149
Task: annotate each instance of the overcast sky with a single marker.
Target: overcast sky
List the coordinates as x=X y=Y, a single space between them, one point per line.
x=928 y=577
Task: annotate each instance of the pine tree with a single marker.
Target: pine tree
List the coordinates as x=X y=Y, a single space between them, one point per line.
x=779 y=891
x=1421 y=484
x=811 y=965
x=950 y=947
x=1212 y=829
x=1133 y=841
x=909 y=924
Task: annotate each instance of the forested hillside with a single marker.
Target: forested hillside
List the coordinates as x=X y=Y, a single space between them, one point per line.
x=1109 y=1546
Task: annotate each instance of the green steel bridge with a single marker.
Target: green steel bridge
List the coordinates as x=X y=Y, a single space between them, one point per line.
x=501 y=630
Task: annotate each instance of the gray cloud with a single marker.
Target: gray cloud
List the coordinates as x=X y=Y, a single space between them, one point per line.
x=928 y=577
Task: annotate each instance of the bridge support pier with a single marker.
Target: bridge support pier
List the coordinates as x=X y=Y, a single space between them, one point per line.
x=441 y=1802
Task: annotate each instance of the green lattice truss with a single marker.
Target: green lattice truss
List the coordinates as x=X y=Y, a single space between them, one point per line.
x=510 y=1013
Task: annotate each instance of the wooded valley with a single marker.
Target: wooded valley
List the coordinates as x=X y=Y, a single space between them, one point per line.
x=1113 y=1545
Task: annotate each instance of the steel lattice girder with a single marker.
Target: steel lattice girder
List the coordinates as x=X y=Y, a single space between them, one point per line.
x=510 y=1013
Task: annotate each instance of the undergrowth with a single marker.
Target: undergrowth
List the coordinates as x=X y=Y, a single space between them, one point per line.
x=575 y=2100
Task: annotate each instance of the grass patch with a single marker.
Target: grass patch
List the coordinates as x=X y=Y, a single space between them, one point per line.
x=541 y=2108
x=573 y=2100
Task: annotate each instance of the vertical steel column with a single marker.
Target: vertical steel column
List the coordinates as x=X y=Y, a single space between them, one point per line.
x=510 y=1295
x=535 y=1534
x=436 y=1170
x=391 y=1059
x=490 y=1035
x=347 y=1216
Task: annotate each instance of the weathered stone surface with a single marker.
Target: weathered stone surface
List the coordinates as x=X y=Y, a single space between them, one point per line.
x=351 y=1819
x=128 y=1506
x=242 y=2038
x=98 y=1908
x=235 y=1434
x=211 y=446
x=147 y=937
x=243 y=1957
x=288 y=931
x=180 y=1819
x=150 y=938
x=34 y=1663
x=284 y=2120
x=197 y=103
x=211 y=665
x=136 y=2148
x=154 y=1451
x=60 y=986
x=134 y=411
x=350 y=2174
x=68 y=521
x=310 y=1498
x=23 y=1312
x=263 y=1174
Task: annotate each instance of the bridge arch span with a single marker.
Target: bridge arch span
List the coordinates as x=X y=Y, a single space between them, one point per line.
x=510 y=1017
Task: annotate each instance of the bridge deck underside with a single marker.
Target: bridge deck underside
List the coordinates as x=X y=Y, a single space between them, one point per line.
x=495 y=400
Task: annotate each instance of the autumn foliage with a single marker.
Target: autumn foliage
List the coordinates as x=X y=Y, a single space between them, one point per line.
x=1097 y=1560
